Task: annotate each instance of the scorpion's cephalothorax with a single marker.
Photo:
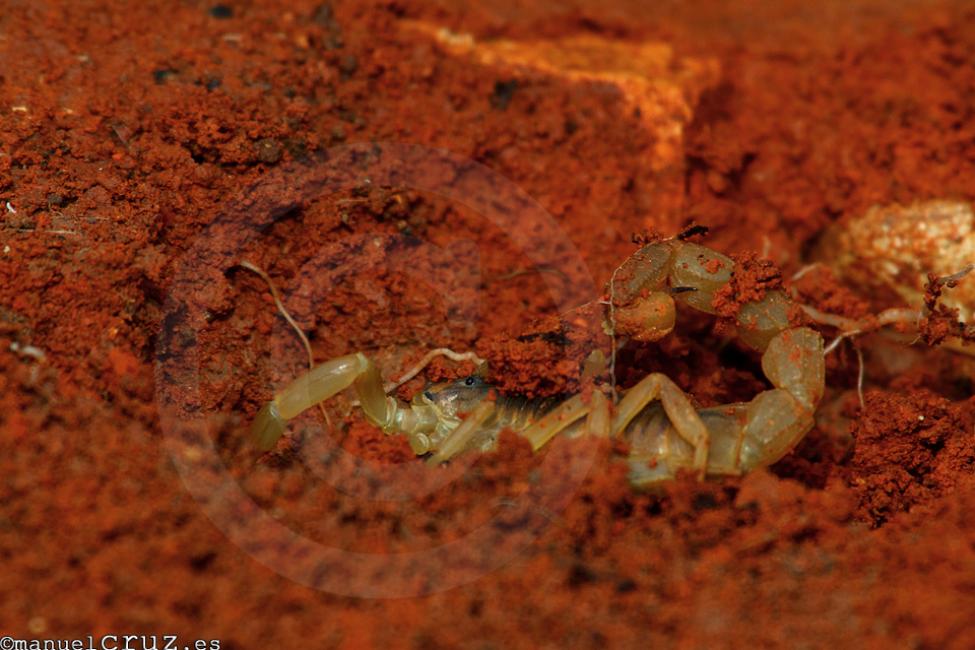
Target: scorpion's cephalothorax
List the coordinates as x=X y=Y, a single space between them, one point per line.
x=435 y=413
x=463 y=396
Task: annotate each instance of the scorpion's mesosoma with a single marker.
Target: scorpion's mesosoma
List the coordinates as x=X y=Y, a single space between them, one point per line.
x=664 y=431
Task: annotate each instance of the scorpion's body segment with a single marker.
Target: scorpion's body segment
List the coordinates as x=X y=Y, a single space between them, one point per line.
x=657 y=450
x=664 y=431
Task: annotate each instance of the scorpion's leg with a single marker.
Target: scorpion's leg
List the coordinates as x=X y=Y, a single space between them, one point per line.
x=599 y=423
x=566 y=414
x=318 y=384
x=678 y=408
x=742 y=437
x=558 y=419
x=460 y=437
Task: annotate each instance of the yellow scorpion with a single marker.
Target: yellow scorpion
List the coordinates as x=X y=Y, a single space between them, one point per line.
x=664 y=431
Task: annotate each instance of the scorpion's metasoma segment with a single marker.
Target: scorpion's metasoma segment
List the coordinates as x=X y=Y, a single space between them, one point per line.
x=664 y=431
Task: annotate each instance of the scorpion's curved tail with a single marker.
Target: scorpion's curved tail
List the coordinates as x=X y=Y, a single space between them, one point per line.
x=724 y=440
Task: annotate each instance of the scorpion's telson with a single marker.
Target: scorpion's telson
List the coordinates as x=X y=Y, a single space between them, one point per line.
x=664 y=437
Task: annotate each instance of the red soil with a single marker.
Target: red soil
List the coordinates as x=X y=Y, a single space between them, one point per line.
x=146 y=148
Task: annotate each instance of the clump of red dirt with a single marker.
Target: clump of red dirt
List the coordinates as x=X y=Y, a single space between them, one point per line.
x=147 y=149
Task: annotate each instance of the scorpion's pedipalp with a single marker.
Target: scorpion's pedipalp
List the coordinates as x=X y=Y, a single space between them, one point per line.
x=317 y=385
x=320 y=383
x=372 y=396
x=268 y=426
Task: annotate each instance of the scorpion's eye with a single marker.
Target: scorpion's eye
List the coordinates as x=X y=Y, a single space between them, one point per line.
x=470 y=381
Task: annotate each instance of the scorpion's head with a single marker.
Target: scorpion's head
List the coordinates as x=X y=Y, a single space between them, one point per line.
x=456 y=398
